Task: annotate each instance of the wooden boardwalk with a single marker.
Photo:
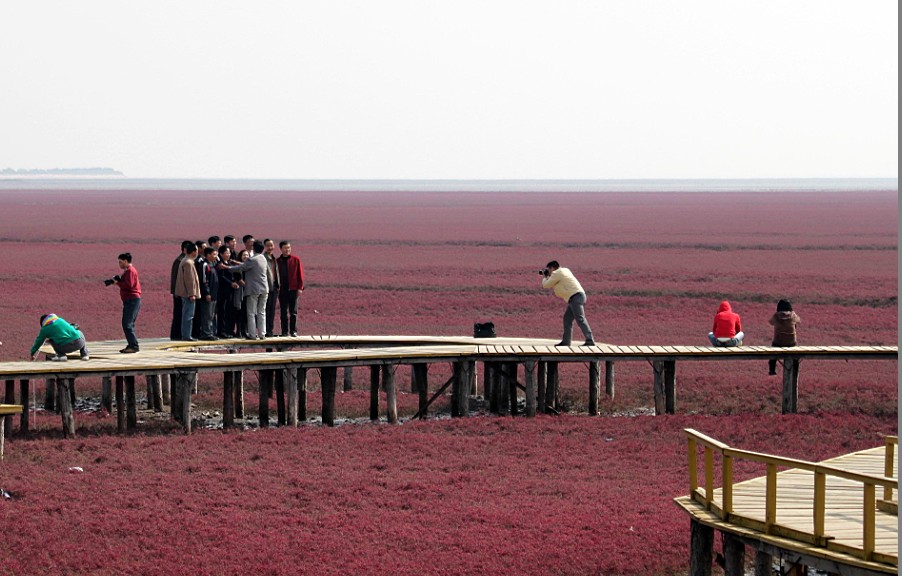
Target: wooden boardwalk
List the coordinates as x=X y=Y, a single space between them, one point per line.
x=839 y=515
x=286 y=360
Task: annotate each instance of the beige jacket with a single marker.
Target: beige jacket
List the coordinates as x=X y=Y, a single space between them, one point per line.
x=564 y=283
x=187 y=283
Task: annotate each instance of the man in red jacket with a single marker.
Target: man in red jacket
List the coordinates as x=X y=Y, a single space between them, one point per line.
x=727 y=329
x=130 y=292
x=291 y=283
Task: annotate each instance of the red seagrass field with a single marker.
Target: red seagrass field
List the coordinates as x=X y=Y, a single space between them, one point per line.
x=552 y=495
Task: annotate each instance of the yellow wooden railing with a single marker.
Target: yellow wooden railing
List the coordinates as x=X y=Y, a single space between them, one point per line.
x=889 y=461
x=770 y=525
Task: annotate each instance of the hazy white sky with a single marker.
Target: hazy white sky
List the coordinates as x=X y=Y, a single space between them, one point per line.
x=462 y=89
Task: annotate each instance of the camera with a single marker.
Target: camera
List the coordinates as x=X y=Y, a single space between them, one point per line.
x=544 y=272
x=111 y=281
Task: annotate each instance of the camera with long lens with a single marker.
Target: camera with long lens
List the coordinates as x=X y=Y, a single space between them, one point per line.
x=111 y=281
x=544 y=272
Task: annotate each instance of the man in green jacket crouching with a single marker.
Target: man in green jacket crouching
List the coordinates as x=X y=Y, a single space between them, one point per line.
x=64 y=338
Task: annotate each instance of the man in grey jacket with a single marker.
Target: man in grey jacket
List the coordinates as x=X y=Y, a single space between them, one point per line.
x=256 y=291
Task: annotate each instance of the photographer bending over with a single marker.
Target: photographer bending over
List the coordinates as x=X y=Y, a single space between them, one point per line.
x=567 y=288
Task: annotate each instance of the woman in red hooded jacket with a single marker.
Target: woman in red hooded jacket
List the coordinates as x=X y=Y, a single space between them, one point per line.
x=727 y=330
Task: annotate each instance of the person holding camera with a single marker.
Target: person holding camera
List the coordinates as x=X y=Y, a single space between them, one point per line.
x=130 y=292
x=567 y=288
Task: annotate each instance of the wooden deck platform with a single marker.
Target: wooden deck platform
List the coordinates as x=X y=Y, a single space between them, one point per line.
x=838 y=515
x=290 y=357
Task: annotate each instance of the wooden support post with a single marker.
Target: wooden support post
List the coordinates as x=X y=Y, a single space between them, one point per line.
x=670 y=386
x=348 y=384
x=552 y=392
x=120 y=404
x=474 y=382
x=733 y=554
x=529 y=370
x=790 y=392
x=149 y=392
x=456 y=385
x=174 y=397
x=290 y=378
x=701 y=551
x=374 y=393
x=24 y=386
x=541 y=387
x=328 y=377
x=660 y=406
x=278 y=377
x=493 y=387
x=228 y=401
x=166 y=388
x=795 y=385
x=421 y=372
x=65 y=405
x=131 y=414
x=50 y=395
x=185 y=386
x=466 y=380
x=609 y=379
x=10 y=398
x=264 y=377
x=157 y=395
x=238 y=386
x=594 y=387
x=764 y=564
x=414 y=387
x=302 y=394
x=510 y=373
x=72 y=392
x=486 y=380
x=391 y=400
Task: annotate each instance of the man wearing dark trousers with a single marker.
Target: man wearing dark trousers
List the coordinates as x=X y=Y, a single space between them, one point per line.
x=272 y=276
x=175 y=331
x=291 y=284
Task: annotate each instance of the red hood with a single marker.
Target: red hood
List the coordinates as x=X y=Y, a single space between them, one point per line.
x=724 y=307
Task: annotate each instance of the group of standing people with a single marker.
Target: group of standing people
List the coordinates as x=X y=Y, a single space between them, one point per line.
x=222 y=291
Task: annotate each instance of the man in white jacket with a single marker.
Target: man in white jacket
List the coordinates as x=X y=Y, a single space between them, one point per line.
x=567 y=288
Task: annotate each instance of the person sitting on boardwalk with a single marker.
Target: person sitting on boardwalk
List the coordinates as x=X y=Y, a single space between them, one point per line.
x=567 y=288
x=727 y=329
x=63 y=337
x=130 y=293
x=784 y=322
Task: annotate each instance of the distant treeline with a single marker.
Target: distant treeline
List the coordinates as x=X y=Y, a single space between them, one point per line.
x=60 y=172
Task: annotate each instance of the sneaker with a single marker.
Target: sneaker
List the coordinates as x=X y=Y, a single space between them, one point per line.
x=294 y=334
x=589 y=343
x=59 y=358
x=128 y=350
x=85 y=357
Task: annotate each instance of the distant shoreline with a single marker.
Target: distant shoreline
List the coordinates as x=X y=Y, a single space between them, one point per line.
x=623 y=185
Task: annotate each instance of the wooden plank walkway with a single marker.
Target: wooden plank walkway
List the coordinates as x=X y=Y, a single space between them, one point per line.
x=291 y=356
x=839 y=511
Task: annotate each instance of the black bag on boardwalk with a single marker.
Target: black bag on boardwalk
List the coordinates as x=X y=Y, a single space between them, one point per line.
x=484 y=330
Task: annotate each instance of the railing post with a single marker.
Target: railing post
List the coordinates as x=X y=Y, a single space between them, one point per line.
x=869 y=520
x=820 y=501
x=889 y=459
x=709 y=476
x=727 y=477
x=693 y=467
x=770 y=506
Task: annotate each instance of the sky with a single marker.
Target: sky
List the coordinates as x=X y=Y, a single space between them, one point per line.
x=424 y=89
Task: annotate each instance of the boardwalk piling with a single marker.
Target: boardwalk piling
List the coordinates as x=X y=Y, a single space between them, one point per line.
x=50 y=395
x=733 y=554
x=120 y=404
x=493 y=386
x=348 y=383
x=278 y=377
x=552 y=389
x=131 y=414
x=265 y=378
x=65 y=406
x=609 y=379
x=328 y=377
x=374 y=393
x=541 y=378
x=670 y=386
x=166 y=388
x=24 y=386
x=510 y=374
x=764 y=563
x=701 y=549
x=790 y=385
x=302 y=394
x=422 y=376
x=391 y=400
x=10 y=398
x=529 y=369
x=660 y=404
x=290 y=378
x=594 y=387
x=185 y=385
x=228 y=400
